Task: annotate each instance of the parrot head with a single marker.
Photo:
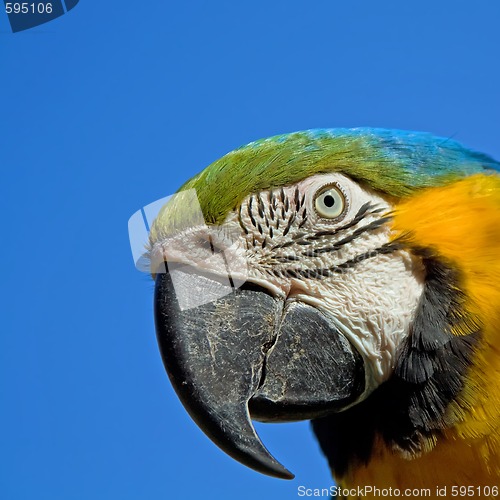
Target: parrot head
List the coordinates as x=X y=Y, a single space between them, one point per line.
x=325 y=278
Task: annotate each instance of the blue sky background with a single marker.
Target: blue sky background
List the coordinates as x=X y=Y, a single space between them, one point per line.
x=113 y=106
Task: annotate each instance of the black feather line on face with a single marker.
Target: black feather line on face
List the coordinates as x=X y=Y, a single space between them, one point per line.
x=348 y=239
x=250 y=214
x=324 y=272
x=409 y=408
x=366 y=210
x=362 y=213
x=304 y=218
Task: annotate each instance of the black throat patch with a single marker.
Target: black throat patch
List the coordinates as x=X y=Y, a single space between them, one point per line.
x=409 y=409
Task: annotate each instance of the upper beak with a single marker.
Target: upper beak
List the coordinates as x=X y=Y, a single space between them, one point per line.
x=249 y=354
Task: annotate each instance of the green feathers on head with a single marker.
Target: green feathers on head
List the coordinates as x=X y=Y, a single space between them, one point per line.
x=394 y=162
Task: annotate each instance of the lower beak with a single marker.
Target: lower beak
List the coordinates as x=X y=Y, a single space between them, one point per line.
x=251 y=355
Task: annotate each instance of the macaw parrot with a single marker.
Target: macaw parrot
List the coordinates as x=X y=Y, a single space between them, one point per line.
x=363 y=294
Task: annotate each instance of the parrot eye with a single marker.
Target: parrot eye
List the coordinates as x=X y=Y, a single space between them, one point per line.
x=330 y=202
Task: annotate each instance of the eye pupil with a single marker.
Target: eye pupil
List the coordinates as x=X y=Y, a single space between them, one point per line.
x=329 y=200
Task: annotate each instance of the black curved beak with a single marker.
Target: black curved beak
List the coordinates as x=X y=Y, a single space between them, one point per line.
x=249 y=354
